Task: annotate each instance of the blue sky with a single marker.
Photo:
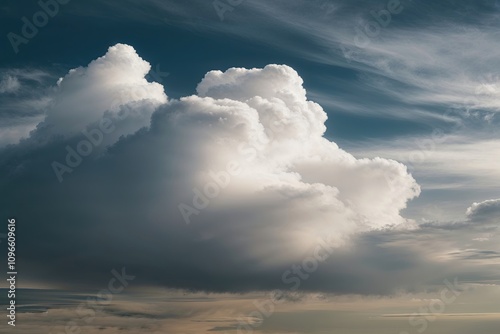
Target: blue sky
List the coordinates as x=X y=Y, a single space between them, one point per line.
x=374 y=123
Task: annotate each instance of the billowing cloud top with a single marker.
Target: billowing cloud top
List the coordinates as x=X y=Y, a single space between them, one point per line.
x=220 y=191
x=113 y=80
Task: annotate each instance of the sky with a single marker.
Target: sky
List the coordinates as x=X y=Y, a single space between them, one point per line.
x=250 y=166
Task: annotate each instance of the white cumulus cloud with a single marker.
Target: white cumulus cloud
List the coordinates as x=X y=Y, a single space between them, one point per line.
x=244 y=159
x=106 y=84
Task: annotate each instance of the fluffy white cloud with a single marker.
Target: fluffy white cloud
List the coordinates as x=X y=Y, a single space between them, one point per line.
x=290 y=187
x=108 y=83
x=290 y=153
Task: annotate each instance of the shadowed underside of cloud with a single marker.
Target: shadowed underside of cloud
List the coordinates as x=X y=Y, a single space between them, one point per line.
x=485 y=211
x=244 y=162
